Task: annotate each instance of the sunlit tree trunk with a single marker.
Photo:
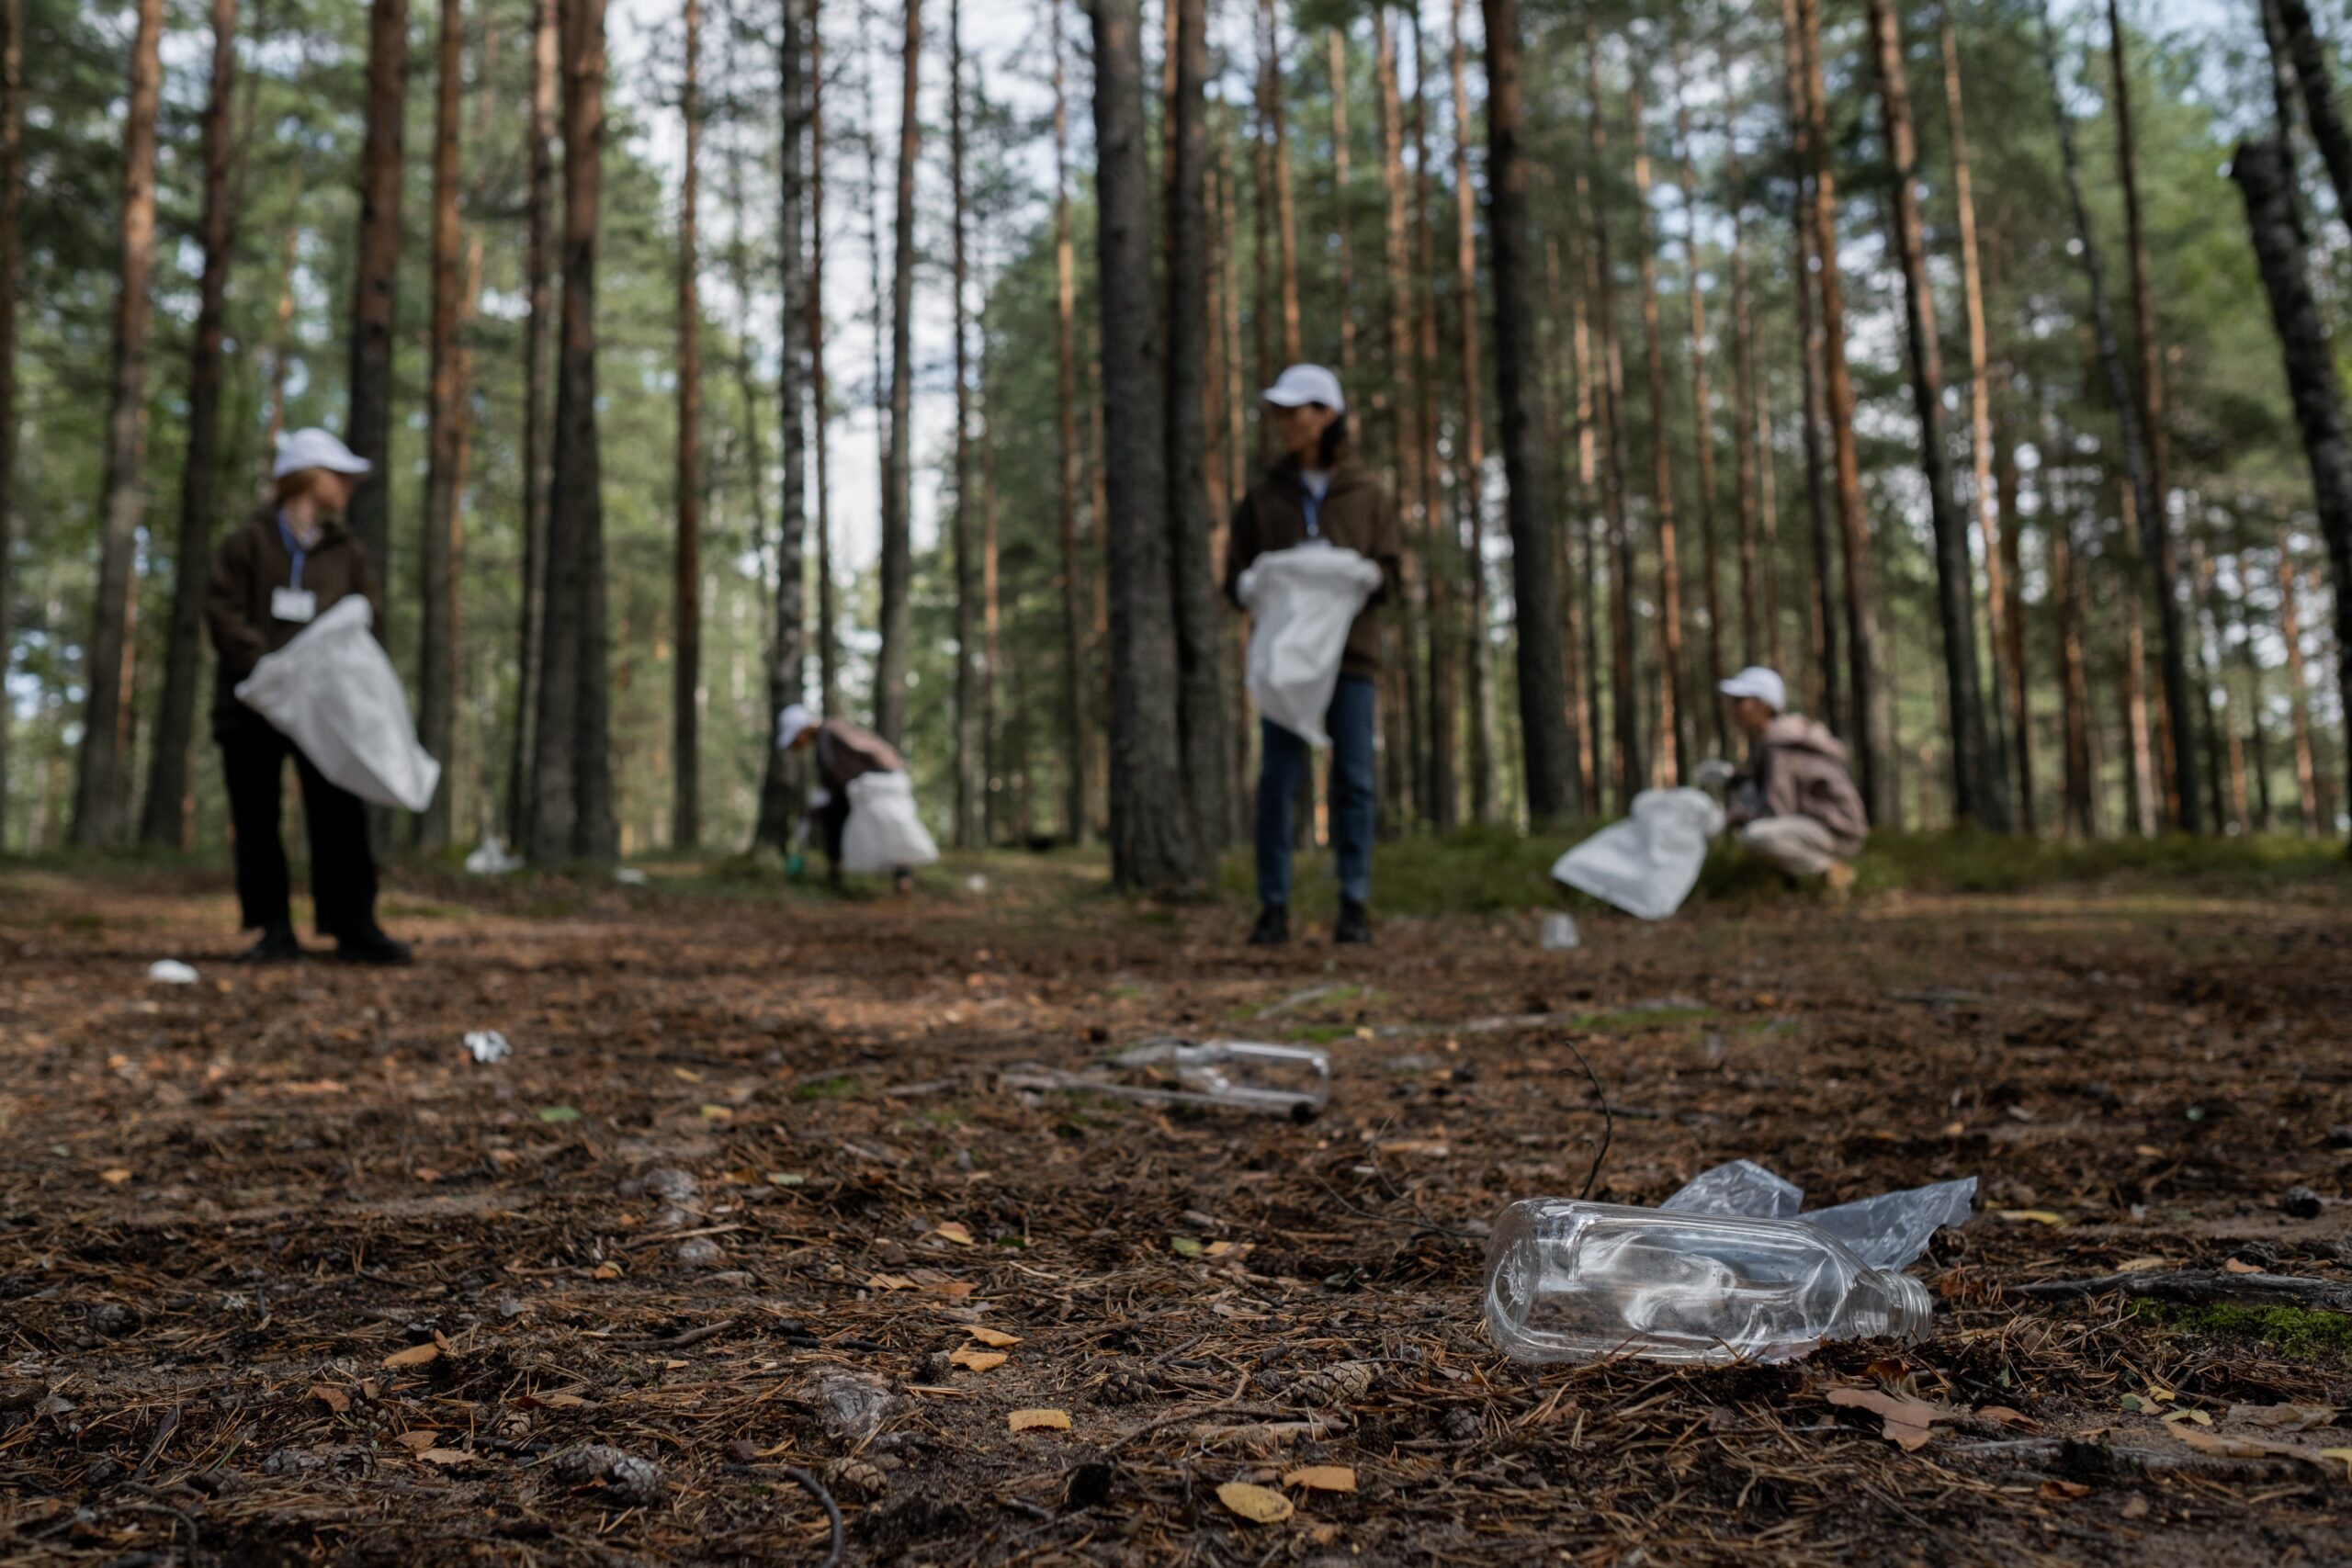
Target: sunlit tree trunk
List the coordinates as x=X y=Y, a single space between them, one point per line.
x=1151 y=847
x=1485 y=780
x=1633 y=774
x=170 y=809
x=1702 y=415
x=1674 y=740
x=436 y=660
x=522 y=793
x=782 y=782
x=1075 y=813
x=685 y=764
x=2013 y=661
x=2251 y=663
x=1595 y=514
x=1821 y=604
x=968 y=739
x=829 y=648
x=1979 y=791
x=897 y=547
x=1535 y=584
x=1561 y=399
x=1398 y=400
x=99 y=803
x=1444 y=770
x=367 y=429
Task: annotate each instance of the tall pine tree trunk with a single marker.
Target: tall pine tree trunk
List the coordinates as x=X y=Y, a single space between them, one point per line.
x=2013 y=661
x=1444 y=768
x=781 y=781
x=1344 y=254
x=2299 y=705
x=828 y=648
x=1821 y=604
x=1200 y=664
x=1702 y=413
x=2074 y=680
x=1151 y=847
x=437 y=659
x=1535 y=555
x=169 y=811
x=1673 y=763
x=968 y=743
x=1868 y=731
x=685 y=673
x=1076 y=815
x=1979 y=792
x=1285 y=213
x=1753 y=448
x=2308 y=54
x=991 y=614
x=1632 y=771
x=2263 y=174
x=1596 y=528
x=1395 y=398
x=897 y=547
x=12 y=189
x=1485 y=780
x=375 y=274
x=522 y=788
x=99 y=807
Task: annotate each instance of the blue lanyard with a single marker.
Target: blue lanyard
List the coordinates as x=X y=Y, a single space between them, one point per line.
x=1312 y=501
x=293 y=548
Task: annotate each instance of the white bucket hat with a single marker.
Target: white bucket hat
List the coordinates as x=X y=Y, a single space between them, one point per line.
x=1303 y=384
x=316 y=448
x=793 y=723
x=1765 y=686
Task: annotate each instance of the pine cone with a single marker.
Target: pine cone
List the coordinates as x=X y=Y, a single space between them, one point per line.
x=857 y=1477
x=1341 y=1383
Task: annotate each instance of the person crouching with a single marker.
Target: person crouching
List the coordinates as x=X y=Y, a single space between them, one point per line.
x=1794 y=805
x=842 y=752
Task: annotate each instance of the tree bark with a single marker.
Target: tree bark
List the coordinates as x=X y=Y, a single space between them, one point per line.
x=1075 y=743
x=1395 y=398
x=12 y=190
x=1535 y=556
x=1486 y=779
x=522 y=790
x=1285 y=214
x=1980 y=794
x=897 y=548
x=2013 y=659
x=1821 y=606
x=1674 y=737
x=1152 y=849
x=170 y=810
x=437 y=662
x=1868 y=729
x=1749 y=441
x=1201 y=688
x=828 y=648
x=374 y=276
x=2298 y=704
x=686 y=747
x=2160 y=544
x=969 y=743
x=1561 y=398
x=99 y=803
x=782 y=790
x=2006 y=691
x=1596 y=528
x=1344 y=254
x=1633 y=774
x=991 y=615
x=2264 y=176
x=1702 y=413
x=2266 y=812
x=2074 y=680
x=2308 y=54
x=574 y=817
x=1444 y=766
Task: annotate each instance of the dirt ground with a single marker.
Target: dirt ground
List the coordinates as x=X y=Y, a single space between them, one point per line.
x=288 y=1276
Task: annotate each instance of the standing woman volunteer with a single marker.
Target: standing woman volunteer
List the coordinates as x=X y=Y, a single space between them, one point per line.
x=1316 y=493
x=270 y=578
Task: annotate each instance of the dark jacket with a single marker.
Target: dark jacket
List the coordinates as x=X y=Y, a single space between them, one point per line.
x=246 y=566
x=1357 y=514
x=1798 y=768
x=845 y=751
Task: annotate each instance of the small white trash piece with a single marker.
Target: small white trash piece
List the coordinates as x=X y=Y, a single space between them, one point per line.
x=171 y=971
x=629 y=876
x=1559 y=933
x=490 y=859
x=488 y=1046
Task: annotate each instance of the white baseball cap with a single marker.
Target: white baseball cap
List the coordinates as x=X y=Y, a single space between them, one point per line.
x=1303 y=384
x=316 y=448
x=1765 y=686
x=792 y=723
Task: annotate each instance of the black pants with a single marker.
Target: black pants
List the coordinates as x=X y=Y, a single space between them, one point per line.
x=832 y=822
x=342 y=864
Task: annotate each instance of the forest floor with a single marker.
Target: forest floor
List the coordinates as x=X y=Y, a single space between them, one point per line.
x=288 y=1276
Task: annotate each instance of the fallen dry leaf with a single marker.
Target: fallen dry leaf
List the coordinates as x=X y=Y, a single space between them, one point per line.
x=2029 y=1216
x=954 y=1233
x=114 y=1176
x=414 y=1356
x=890 y=1282
x=976 y=1360
x=1038 y=1421
x=2058 y=1491
x=334 y=1399
x=2142 y=1265
x=996 y=1336
x=1322 y=1478
x=445 y=1456
x=1906 y=1420
x=1259 y=1504
x=2284 y=1417
x=2135 y=1508
x=418 y=1440
x=2008 y=1417
x=2239 y=1266
x=608 y=1269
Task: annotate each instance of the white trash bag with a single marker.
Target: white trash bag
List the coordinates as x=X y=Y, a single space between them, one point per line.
x=1302 y=602
x=333 y=694
x=884 y=832
x=1646 y=864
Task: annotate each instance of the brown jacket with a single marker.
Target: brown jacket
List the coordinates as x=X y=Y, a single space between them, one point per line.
x=246 y=566
x=846 y=751
x=1798 y=768
x=1357 y=514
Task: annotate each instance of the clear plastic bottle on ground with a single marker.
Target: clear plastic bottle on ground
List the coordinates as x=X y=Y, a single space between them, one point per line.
x=1285 y=1081
x=1569 y=1282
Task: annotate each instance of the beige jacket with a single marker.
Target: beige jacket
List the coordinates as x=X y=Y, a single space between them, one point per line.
x=1798 y=768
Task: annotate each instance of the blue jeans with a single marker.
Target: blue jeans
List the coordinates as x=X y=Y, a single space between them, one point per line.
x=1283 y=762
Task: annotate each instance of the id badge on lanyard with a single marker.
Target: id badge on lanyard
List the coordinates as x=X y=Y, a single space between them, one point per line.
x=293 y=604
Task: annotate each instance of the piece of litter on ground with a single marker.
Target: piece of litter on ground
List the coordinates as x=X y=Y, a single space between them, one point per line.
x=1559 y=932
x=488 y=1046
x=490 y=859
x=171 y=971
x=976 y=883
x=629 y=876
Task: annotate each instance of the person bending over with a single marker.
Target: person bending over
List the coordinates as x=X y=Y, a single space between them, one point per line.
x=1316 y=493
x=842 y=752
x=1795 y=808
x=270 y=578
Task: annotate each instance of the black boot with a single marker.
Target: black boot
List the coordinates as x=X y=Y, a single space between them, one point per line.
x=1272 y=929
x=1355 y=924
x=277 y=945
x=372 y=946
